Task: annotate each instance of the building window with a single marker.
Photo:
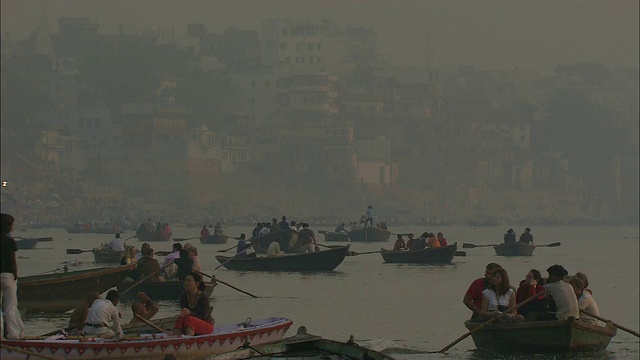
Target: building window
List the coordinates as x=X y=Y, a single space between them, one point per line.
x=253 y=84
x=266 y=84
x=283 y=46
x=299 y=46
x=309 y=46
x=80 y=122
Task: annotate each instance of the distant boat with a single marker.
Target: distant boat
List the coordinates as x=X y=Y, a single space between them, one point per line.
x=29 y=243
x=443 y=255
x=153 y=236
x=324 y=260
x=369 y=234
x=515 y=249
x=334 y=236
x=214 y=239
x=106 y=256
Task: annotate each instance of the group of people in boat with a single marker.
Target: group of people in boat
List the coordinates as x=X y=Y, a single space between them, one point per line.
x=150 y=227
x=100 y=317
x=425 y=241
x=556 y=297
x=175 y=267
x=211 y=230
x=526 y=237
x=89 y=226
x=306 y=239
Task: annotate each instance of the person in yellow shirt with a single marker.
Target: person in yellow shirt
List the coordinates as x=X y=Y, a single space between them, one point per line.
x=432 y=242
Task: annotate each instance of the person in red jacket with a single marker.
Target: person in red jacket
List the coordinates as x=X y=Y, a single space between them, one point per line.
x=531 y=285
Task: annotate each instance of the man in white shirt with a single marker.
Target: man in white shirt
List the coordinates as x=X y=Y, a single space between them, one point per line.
x=562 y=293
x=169 y=265
x=117 y=244
x=101 y=313
x=274 y=248
x=264 y=229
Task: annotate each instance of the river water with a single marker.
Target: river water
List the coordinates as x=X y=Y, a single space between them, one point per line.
x=410 y=308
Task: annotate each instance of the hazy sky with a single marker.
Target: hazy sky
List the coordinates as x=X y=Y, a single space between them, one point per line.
x=490 y=34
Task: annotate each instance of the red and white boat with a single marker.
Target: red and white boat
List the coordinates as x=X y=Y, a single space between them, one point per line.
x=225 y=338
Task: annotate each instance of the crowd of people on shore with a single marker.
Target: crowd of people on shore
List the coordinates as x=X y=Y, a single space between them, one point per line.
x=556 y=297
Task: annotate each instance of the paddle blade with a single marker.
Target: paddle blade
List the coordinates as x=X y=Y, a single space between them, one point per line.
x=352 y=253
x=179 y=239
x=468 y=246
x=45 y=239
x=461 y=253
x=554 y=244
x=76 y=251
x=322 y=231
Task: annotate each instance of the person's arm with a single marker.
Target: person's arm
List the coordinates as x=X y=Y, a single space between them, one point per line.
x=468 y=300
x=115 y=316
x=485 y=307
x=14 y=262
x=512 y=303
x=152 y=307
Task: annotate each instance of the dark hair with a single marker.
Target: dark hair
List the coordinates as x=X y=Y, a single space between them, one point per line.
x=536 y=274
x=399 y=236
x=6 y=221
x=584 y=278
x=558 y=271
x=113 y=296
x=577 y=282
x=198 y=279
x=493 y=266
x=177 y=246
x=505 y=286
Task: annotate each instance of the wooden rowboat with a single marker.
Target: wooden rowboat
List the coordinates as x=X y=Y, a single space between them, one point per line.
x=515 y=249
x=29 y=243
x=157 y=290
x=156 y=235
x=289 y=239
x=304 y=346
x=225 y=338
x=334 y=236
x=535 y=337
x=214 y=239
x=106 y=256
x=60 y=292
x=324 y=260
x=442 y=255
x=369 y=234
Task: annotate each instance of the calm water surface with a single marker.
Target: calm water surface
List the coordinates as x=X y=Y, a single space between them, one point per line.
x=410 y=308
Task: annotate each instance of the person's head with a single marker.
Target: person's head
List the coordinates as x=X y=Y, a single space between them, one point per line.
x=293 y=223
x=490 y=269
x=145 y=246
x=425 y=234
x=192 y=251
x=370 y=207
x=510 y=231
x=274 y=220
x=556 y=273
x=118 y=235
x=6 y=222
x=184 y=254
x=243 y=236
x=410 y=235
x=131 y=251
x=177 y=246
x=577 y=284
x=204 y=226
x=584 y=279
x=113 y=296
x=194 y=282
x=145 y=251
x=259 y=224
x=534 y=274
x=91 y=297
x=399 y=236
x=500 y=281
x=284 y=218
x=138 y=308
x=305 y=225
x=440 y=235
x=527 y=230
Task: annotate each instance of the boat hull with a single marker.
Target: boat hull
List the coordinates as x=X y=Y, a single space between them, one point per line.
x=333 y=236
x=214 y=239
x=517 y=249
x=369 y=234
x=289 y=241
x=542 y=337
x=154 y=236
x=63 y=292
x=157 y=290
x=325 y=260
x=106 y=256
x=428 y=256
x=224 y=339
x=30 y=243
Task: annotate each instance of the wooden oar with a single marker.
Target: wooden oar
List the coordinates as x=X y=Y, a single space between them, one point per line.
x=353 y=253
x=231 y=248
x=156 y=327
x=231 y=258
x=555 y=244
x=144 y=278
x=460 y=253
x=183 y=239
x=37 y=239
x=634 y=333
x=488 y=322
x=471 y=246
x=229 y=285
x=77 y=251
x=130 y=237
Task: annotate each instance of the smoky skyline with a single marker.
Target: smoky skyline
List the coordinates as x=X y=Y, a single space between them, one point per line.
x=535 y=35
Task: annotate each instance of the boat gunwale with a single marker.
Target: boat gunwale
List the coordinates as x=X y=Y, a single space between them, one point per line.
x=336 y=248
x=63 y=277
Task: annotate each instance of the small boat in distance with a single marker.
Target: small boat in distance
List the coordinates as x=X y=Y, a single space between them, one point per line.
x=515 y=249
x=369 y=234
x=29 y=243
x=106 y=256
x=334 y=236
x=153 y=236
x=443 y=255
x=534 y=337
x=214 y=239
x=323 y=260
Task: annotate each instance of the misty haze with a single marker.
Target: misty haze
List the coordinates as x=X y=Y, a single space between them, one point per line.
x=433 y=112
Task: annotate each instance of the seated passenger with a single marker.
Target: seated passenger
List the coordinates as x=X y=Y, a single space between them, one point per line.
x=129 y=256
x=432 y=242
x=79 y=315
x=510 y=237
x=147 y=266
x=101 y=313
x=442 y=240
x=419 y=243
x=195 y=313
x=499 y=297
x=340 y=228
x=585 y=301
x=410 y=241
x=530 y=286
x=399 y=245
x=185 y=265
x=242 y=247
x=565 y=303
x=274 y=248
